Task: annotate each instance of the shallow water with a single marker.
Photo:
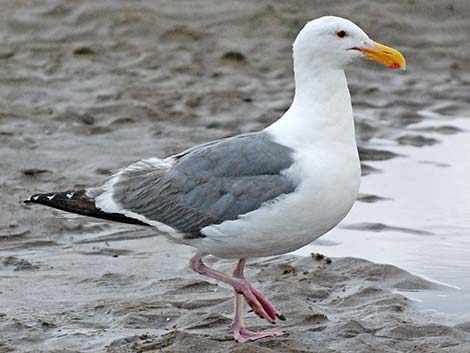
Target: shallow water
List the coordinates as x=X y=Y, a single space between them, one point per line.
x=422 y=224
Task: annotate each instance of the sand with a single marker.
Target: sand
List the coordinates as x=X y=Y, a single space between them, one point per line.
x=88 y=87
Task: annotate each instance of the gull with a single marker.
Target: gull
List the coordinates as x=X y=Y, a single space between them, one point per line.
x=258 y=194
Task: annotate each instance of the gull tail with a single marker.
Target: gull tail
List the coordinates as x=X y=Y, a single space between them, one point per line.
x=78 y=202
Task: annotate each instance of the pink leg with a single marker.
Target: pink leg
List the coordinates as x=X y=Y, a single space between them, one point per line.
x=238 y=273
x=240 y=332
x=258 y=302
x=242 y=288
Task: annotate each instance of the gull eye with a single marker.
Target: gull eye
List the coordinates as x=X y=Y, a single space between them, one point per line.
x=341 y=34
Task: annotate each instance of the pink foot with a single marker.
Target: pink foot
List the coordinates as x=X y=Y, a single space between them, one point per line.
x=243 y=289
x=241 y=334
x=258 y=302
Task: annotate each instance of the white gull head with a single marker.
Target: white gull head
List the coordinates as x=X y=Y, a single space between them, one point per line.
x=321 y=111
x=328 y=42
x=334 y=42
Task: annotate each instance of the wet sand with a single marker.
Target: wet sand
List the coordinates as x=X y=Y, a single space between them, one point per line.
x=89 y=87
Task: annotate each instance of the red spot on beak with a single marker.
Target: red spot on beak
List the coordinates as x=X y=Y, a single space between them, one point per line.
x=394 y=66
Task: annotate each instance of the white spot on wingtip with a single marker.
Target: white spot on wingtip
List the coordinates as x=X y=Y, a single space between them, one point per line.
x=51 y=197
x=35 y=198
x=69 y=196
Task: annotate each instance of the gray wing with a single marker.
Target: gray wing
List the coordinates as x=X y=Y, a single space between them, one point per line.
x=207 y=184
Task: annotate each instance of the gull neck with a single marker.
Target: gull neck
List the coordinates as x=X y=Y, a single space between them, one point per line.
x=320 y=112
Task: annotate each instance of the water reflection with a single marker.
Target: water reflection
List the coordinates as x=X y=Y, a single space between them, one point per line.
x=415 y=214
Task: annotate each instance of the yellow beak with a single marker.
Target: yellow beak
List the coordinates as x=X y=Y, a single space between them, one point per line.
x=384 y=55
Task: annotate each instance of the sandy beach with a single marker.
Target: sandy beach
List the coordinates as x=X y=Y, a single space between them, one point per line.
x=89 y=87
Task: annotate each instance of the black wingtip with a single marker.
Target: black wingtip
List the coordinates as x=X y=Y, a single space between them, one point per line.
x=32 y=199
x=76 y=201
